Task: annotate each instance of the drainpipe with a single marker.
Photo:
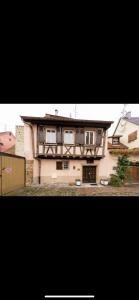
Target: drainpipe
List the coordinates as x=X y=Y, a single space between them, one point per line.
x=39 y=171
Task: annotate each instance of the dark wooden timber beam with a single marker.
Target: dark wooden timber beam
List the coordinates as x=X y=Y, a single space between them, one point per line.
x=70 y=157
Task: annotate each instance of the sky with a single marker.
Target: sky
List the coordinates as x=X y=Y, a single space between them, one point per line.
x=10 y=113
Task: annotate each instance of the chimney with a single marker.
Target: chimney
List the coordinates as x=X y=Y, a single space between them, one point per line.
x=128 y=115
x=56 y=112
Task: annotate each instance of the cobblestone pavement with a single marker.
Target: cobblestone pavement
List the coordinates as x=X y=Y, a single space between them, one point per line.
x=66 y=190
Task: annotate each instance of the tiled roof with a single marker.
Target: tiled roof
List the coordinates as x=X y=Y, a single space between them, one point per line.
x=56 y=119
x=134 y=151
x=6 y=132
x=134 y=120
x=119 y=146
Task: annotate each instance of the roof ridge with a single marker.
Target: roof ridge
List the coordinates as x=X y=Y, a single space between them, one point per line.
x=57 y=117
x=84 y=120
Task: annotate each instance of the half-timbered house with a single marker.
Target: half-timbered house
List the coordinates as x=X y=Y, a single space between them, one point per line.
x=60 y=149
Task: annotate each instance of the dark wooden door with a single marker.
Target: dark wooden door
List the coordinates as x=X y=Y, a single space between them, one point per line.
x=89 y=174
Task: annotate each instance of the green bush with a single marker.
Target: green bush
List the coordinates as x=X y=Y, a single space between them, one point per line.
x=115 y=180
x=121 y=172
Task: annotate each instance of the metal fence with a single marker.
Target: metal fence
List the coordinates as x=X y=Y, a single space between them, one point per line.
x=12 y=173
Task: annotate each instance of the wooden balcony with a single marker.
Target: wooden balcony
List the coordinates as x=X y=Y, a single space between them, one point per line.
x=69 y=151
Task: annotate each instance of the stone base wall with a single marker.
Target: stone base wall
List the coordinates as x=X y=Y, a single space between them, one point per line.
x=29 y=172
x=60 y=179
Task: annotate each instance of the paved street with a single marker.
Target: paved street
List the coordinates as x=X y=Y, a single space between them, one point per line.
x=86 y=190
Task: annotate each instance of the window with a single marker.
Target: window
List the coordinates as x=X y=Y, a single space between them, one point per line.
x=51 y=136
x=59 y=165
x=115 y=141
x=90 y=161
x=62 y=165
x=68 y=137
x=132 y=136
x=89 y=138
x=114 y=168
x=65 y=165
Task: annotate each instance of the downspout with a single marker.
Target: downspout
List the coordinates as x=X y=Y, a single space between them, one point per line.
x=104 y=142
x=39 y=171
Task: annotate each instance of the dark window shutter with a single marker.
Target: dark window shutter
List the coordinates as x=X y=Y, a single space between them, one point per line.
x=59 y=165
x=80 y=136
x=98 y=137
x=87 y=138
x=42 y=134
x=132 y=136
x=58 y=135
x=91 y=138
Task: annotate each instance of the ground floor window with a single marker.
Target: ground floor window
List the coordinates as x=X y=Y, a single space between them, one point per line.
x=59 y=165
x=62 y=165
x=65 y=165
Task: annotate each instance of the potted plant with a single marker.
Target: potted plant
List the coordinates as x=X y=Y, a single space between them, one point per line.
x=104 y=181
x=78 y=182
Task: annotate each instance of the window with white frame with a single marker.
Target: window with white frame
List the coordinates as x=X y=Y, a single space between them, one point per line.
x=51 y=136
x=65 y=165
x=89 y=138
x=68 y=137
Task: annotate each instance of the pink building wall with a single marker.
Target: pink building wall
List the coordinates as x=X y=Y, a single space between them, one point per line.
x=7 y=141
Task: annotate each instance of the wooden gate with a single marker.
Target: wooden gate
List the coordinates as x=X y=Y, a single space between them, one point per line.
x=12 y=173
x=133 y=173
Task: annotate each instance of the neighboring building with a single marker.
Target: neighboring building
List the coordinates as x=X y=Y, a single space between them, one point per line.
x=7 y=142
x=11 y=150
x=125 y=140
x=115 y=148
x=128 y=129
x=60 y=149
x=19 y=147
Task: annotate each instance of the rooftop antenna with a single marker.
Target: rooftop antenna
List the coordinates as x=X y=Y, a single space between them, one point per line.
x=75 y=110
x=124 y=111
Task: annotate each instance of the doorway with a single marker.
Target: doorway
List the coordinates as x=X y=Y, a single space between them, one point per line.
x=89 y=174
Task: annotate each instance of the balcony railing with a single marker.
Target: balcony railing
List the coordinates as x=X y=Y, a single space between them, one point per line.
x=72 y=151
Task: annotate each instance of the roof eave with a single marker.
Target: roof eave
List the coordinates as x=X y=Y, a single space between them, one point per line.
x=73 y=122
x=131 y=121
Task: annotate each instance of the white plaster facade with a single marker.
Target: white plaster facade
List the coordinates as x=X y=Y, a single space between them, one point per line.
x=46 y=168
x=124 y=128
x=48 y=171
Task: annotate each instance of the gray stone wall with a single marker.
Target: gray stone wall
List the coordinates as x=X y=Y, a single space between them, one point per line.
x=19 y=146
x=29 y=172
